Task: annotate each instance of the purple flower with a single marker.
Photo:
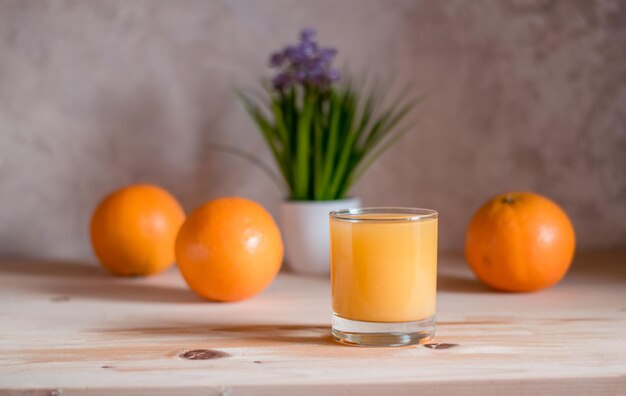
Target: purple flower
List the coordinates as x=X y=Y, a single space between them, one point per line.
x=282 y=81
x=295 y=55
x=327 y=54
x=289 y=52
x=333 y=75
x=307 y=48
x=305 y=64
x=277 y=59
x=301 y=76
x=308 y=34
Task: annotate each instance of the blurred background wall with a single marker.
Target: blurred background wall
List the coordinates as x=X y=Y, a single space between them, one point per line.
x=522 y=95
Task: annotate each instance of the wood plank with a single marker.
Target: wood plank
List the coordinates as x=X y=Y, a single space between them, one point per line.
x=71 y=328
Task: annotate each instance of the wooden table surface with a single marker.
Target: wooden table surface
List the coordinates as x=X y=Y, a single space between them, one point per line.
x=69 y=328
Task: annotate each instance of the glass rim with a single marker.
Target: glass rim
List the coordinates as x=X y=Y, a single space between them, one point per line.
x=411 y=214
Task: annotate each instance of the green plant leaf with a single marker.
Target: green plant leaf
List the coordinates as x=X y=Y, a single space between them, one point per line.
x=375 y=154
x=348 y=145
x=378 y=130
x=251 y=158
x=267 y=131
x=318 y=161
x=323 y=140
x=332 y=142
x=301 y=182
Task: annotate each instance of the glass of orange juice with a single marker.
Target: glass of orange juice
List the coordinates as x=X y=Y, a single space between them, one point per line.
x=383 y=275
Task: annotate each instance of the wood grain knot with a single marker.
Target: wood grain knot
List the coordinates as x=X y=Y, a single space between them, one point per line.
x=203 y=354
x=440 y=345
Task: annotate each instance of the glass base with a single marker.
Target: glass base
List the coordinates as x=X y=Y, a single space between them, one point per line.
x=385 y=334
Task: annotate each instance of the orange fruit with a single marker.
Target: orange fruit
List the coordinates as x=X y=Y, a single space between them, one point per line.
x=133 y=230
x=520 y=242
x=229 y=249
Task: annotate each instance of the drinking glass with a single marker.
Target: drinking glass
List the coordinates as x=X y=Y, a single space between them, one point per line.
x=383 y=275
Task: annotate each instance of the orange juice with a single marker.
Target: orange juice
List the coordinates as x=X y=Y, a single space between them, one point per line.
x=384 y=265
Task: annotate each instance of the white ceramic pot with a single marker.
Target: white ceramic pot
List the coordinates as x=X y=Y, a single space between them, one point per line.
x=306 y=233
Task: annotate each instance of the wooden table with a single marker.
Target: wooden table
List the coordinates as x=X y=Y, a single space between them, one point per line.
x=68 y=328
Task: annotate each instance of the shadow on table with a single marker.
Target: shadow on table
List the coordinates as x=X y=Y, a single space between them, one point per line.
x=65 y=281
x=607 y=266
x=295 y=333
x=222 y=335
x=460 y=284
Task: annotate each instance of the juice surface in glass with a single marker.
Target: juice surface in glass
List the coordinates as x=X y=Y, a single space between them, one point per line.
x=384 y=266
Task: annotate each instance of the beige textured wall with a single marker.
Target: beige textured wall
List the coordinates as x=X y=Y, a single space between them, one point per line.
x=526 y=95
